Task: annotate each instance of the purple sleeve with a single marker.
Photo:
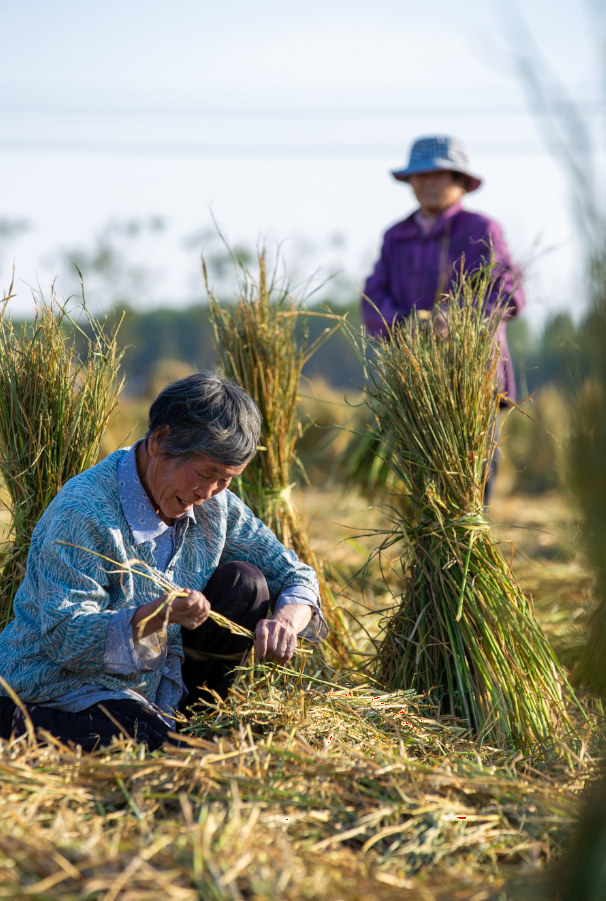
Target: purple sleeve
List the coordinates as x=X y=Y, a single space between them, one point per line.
x=377 y=290
x=509 y=279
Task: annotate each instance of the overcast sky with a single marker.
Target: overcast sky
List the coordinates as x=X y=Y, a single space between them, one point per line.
x=285 y=118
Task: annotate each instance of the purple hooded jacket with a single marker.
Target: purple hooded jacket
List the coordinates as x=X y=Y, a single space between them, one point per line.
x=416 y=269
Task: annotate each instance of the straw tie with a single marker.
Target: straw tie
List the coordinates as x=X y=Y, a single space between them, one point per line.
x=468 y=522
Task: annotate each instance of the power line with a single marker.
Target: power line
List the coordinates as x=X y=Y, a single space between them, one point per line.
x=289 y=114
x=239 y=150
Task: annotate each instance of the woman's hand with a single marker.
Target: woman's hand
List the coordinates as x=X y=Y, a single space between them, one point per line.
x=189 y=612
x=276 y=638
x=440 y=323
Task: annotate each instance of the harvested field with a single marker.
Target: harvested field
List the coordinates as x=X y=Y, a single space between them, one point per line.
x=305 y=788
x=283 y=815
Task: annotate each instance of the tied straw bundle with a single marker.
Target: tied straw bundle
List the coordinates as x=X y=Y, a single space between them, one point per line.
x=464 y=631
x=55 y=404
x=263 y=349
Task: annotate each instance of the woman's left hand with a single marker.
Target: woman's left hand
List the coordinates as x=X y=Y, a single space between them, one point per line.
x=440 y=324
x=276 y=638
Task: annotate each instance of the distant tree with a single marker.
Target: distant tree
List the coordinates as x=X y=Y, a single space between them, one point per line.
x=110 y=275
x=10 y=230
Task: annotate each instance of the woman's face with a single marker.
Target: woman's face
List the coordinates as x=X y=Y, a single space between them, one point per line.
x=176 y=486
x=436 y=191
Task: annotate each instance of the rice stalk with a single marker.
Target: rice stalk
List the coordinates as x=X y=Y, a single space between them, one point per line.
x=361 y=463
x=55 y=403
x=464 y=631
x=145 y=571
x=262 y=345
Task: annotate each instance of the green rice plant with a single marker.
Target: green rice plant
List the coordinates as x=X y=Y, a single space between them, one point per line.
x=361 y=464
x=55 y=402
x=263 y=346
x=464 y=632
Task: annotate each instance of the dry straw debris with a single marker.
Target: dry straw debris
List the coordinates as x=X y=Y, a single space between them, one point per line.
x=271 y=809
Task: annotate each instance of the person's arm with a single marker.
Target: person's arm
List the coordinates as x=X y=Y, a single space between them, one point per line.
x=83 y=626
x=378 y=290
x=509 y=277
x=289 y=580
x=73 y=587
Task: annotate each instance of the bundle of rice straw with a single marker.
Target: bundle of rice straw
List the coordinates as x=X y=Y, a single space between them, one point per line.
x=55 y=404
x=263 y=347
x=464 y=631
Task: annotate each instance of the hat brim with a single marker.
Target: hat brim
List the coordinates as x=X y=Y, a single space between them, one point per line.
x=438 y=166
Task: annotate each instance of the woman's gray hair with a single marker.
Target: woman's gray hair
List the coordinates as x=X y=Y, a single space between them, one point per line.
x=207 y=414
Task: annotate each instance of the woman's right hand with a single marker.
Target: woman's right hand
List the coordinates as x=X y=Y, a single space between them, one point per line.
x=190 y=612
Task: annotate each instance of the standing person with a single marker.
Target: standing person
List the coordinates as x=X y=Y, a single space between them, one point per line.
x=422 y=254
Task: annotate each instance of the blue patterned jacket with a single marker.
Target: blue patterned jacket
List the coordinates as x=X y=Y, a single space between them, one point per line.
x=63 y=608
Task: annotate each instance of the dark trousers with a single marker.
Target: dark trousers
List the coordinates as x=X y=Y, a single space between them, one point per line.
x=237 y=590
x=90 y=728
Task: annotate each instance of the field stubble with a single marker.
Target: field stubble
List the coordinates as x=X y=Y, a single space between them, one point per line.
x=304 y=788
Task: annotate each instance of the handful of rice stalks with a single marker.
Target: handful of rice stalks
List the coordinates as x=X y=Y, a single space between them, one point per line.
x=263 y=347
x=464 y=631
x=55 y=403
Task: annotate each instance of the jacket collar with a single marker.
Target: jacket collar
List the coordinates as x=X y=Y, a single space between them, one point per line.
x=143 y=520
x=409 y=229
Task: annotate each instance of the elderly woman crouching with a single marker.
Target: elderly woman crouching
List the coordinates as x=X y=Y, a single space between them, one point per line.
x=93 y=653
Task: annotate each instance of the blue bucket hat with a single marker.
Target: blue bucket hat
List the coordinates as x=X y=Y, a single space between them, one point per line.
x=438 y=153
